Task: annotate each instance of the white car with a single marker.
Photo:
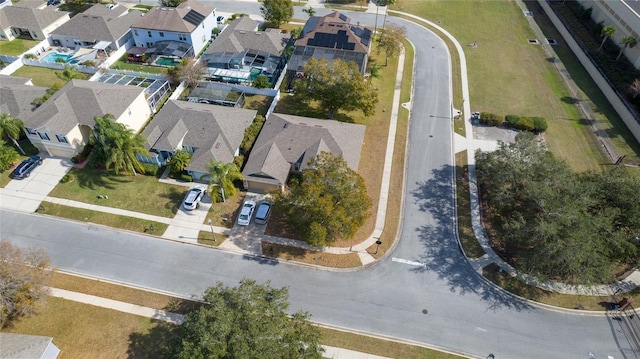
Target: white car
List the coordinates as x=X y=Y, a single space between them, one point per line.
x=246 y=212
x=193 y=197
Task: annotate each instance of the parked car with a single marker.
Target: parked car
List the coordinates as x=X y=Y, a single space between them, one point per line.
x=193 y=197
x=263 y=212
x=220 y=19
x=246 y=212
x=53 y=2
x=24 y=169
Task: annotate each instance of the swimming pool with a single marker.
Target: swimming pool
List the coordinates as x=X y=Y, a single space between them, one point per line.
x=167 y=61
x=52 y=57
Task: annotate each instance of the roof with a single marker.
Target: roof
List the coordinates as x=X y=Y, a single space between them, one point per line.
x=29 y=18
x=99 y=23
x=215 y=131
x=184 y=18
x=244 y=23
x=21 y=346
x=78 y=102
x=297 y=140
x=16 y=97
x=334 y=31
x=32 y=4
x=272 y=41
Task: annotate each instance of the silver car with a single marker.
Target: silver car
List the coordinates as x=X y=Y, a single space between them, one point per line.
x=246 y=212
x=193 y=197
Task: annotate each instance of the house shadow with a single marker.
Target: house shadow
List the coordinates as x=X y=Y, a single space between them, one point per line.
x=442 y=253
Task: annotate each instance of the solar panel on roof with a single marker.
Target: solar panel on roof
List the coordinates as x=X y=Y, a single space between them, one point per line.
x=194 y=17
x=343 y=17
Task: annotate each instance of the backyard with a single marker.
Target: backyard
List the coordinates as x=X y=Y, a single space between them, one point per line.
x=42 y=76
x=16 y=47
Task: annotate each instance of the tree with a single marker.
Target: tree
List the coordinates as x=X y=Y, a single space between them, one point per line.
x=277 y=12
x=295 y=34
x=222 y=176
x=634 y=88
x=69 y=73
x=179 y=161
x=626 y=42
x=116 y=146
x=338 y=85
x=188 y=71
x=248 y=321
x=23 y=280
x=8 y=156
x=50 y=91
x=330 y=203
x=170 y=3
x=261 y=82
x=390 y=41
x=11 y=128
x=606 y=33
x=309 y=11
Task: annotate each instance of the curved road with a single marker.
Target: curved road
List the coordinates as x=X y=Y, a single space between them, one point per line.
x=423 y=292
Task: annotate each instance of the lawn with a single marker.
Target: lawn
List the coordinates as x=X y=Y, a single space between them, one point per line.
x=468 y=239
x=311 y=257
x=123 y=65
x=16 y=47
x=40 y=76
x=134 y=193
x=259 y=103
x=507 y=75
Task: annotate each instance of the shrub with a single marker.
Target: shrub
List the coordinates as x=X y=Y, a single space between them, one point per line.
x=150 y=169
x=490 y=119
x=185 y=177
x=238 y=160
x=66 y=178
x=8 y=156
x=539 y=124
x=525 y=124
x=74 y=159
x=512 y=120
x=30 y=56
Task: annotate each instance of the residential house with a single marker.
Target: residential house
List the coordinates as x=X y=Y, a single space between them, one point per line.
x=17 y=95
x=190 y=23
x=62 y=125
x=287 y=143
x=19 y=346
x=330 y=37
x=206 y=131
x=31 y=20
x=241 y=53
x=99 y=27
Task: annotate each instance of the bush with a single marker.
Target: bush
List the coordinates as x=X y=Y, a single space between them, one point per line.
x=525 y=124
x=150 y=169
x=66 y=178
x=539 y=124
x=185 y=178
x=30 y=56
x=490 y=119
x=512 y=120
x=74 y=159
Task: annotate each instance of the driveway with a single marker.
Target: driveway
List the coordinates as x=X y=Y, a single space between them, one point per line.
x=26 y=194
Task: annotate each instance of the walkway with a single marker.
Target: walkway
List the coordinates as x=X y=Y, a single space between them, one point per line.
x=157 y=314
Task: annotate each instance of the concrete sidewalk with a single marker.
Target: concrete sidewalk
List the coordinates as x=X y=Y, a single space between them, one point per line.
x=330 y=352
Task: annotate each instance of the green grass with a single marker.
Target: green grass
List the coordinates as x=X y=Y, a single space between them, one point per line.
x=134 y=193
x=259 y=103
x=509 y=76
x=40 y=76
x=106 y=219
x=465 y=231
x=122 y=65
x=16 y=47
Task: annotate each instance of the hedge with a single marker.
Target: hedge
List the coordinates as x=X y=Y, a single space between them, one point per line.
x=150 y=169
x=490 y=119
x=523 y=123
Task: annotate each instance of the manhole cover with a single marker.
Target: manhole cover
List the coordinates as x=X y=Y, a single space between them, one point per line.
x=552 y=42
x=533 y=41
x=424 y=311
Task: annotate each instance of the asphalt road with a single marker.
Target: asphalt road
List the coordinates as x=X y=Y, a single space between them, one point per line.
x=423 y=292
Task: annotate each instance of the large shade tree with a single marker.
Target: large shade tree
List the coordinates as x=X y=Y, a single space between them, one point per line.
x=390 y=41
x=277 y=12
x=221 y=176
x=248 y=321
x=330 y=203
x=115 y=146
x=11 y=127
x=338 y=85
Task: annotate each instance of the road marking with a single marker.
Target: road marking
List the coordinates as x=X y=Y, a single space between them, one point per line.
x=481 y=329
x=406 y=261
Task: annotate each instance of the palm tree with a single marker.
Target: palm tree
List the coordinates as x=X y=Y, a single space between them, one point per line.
x=179 y=161
x=69 y=73
x=310 y=11
x=115 y=145
x=222 y=175
x=11 y=128
x=626 y=42
x=606 y=33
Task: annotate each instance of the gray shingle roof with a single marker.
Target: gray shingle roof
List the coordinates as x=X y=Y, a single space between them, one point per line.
x=271 y=41
x=300 y=139
x=101 y=24
x=215 y=131
x=16 y=97
x=172 y=19
x=21 y=346
x=242 y=23
x=78 y=102
x=29 y=18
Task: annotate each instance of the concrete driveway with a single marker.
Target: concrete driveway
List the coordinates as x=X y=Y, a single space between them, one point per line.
x=26 y=194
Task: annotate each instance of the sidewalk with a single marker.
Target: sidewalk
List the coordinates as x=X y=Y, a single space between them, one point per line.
x=330 y=352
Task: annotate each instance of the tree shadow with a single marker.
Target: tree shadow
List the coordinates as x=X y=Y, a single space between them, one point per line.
x=154 y=343
x=570 y=100
x=94 y=179
x=442 y=253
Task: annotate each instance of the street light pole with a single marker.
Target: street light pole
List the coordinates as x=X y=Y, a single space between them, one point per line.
x=378 y=243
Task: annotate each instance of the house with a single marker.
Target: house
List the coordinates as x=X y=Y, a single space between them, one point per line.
x=206 y=131
x=190 y=23
x=98 y=27
x=241 y=53
x=330 y=37
x=31 y=20
x=62 y=125
x=17 y=95
x=287 y=143
x=18 y=346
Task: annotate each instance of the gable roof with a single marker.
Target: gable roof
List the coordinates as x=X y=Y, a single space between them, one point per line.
x=300 y=139
x=215 y=131
x=334 y=31
x=244 y=23
x=99 y=23
x=16 y=97
x=29 y=18
x=184 y=18
x=78 y=102
x=271 y=41
x=19 y=346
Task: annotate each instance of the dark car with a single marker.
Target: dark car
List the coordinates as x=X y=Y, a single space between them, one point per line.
x=220 y=19
x=24 y=169
x=53 y=2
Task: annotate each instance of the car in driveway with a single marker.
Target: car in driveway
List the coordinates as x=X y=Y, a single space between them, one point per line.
x=263 y=212
x=193 y=197
x=220 y=19
x=246 y=212
x=24 y=169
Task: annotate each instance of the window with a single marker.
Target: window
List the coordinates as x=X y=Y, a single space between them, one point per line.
x=62 y=139
x=182 y=37
x=44 y=136
x=31 y=131
x=135 y=32
x=149 y=44
x=161 y=34
x=149 y=33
